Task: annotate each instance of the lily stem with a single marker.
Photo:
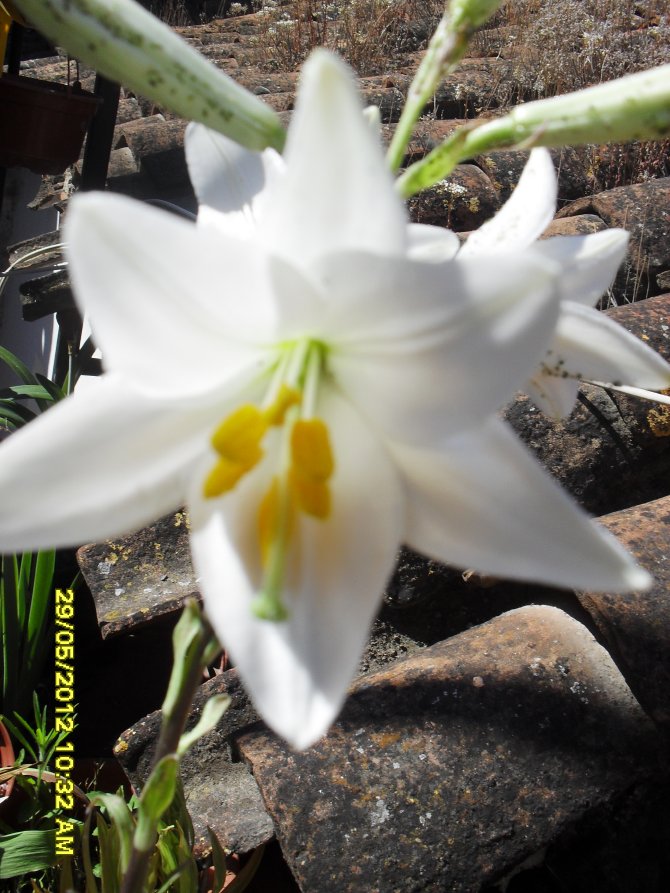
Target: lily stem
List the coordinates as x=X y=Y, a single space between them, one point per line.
x=193 y=646
x=445 y=50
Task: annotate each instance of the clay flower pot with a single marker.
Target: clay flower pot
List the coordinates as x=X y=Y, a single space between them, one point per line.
x=48 y=123
x=7 y=758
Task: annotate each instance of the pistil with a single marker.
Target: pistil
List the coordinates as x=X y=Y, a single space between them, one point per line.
x=305 y=464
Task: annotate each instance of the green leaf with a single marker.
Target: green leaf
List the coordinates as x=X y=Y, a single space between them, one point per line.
x=9 y=630
x=17 y=366
x=26 y=592
x=109 y=853
x=211 y=714
x=66 y=879
x=121 y=823
x=26 y=851
x=156 y=797
x=20 y=736
x=54 y=391
x=186 y=638
x=188 y=872
x=247 y=873
x=23 y=589
x=41 y=602
x=15 y=413
x=159 y=790
x=22 y=372
x=91 y=883
x=26 y=391
x=178 y=814
x=219 y=860
x=166 y=847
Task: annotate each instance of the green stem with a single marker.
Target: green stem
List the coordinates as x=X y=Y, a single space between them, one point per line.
x=445 y=50
x=463 y=143
x=192 y=646
x=635 y=107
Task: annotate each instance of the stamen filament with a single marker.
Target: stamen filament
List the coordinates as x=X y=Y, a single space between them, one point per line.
x=296 y=367
x=275 y=525
x=275 y=520
x=312 y=376
x=278 y=380
x=301 y=483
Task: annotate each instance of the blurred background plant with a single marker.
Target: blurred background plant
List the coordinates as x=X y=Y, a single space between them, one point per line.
x=26 y=625
x=27 y=581
x=27 y=827
x=123 y=842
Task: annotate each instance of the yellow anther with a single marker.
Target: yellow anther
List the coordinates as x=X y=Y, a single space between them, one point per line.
x=312 y=496
x=311 y=467
x=311 y=455
x=237 y=441
x=238 y=437
x=287 y=397
x=223 y=477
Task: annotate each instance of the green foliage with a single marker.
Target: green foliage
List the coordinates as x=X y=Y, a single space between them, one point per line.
x=26 y=624
x=112 y=828
x=40 y=740
x=15 y=408
x=146 y=844
x=26 y=851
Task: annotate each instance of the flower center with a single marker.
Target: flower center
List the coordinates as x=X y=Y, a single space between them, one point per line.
x=305 y=466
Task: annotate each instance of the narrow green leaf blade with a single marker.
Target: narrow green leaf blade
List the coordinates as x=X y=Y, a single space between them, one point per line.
x=17 y=366
x=121 y=822
x=26 y=851
x=211 y=714
x=32 y=391
x=40 y=603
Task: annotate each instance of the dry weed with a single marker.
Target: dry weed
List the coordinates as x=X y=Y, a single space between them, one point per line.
x=369 y=34
x=622 y=164
x=563 y=45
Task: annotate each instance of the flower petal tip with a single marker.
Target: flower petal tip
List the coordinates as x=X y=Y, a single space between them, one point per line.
x=629 y=577
x=639 y=579
x=304 y=723
x=323 y=63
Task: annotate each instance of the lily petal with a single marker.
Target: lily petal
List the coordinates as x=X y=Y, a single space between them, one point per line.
x=589 y=263
x=337 y=193
x=431 y=242
x=162 y=325
x=486 y=503
x=524 y=216
x=101 y=463
x=297 y=671
x=230 y=182
x=590 y=346
x=502 y=314
x=553 y=396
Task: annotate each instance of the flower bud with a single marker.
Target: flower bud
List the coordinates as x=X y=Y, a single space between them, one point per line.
x=471 y=14
x=126 y=43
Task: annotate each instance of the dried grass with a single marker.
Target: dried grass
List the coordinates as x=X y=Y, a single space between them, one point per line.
x=561 y=46
x=369 y=34
x=555 y=46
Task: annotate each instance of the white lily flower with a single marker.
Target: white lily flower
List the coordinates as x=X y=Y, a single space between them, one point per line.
x=300 y=371
x=587 y=345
